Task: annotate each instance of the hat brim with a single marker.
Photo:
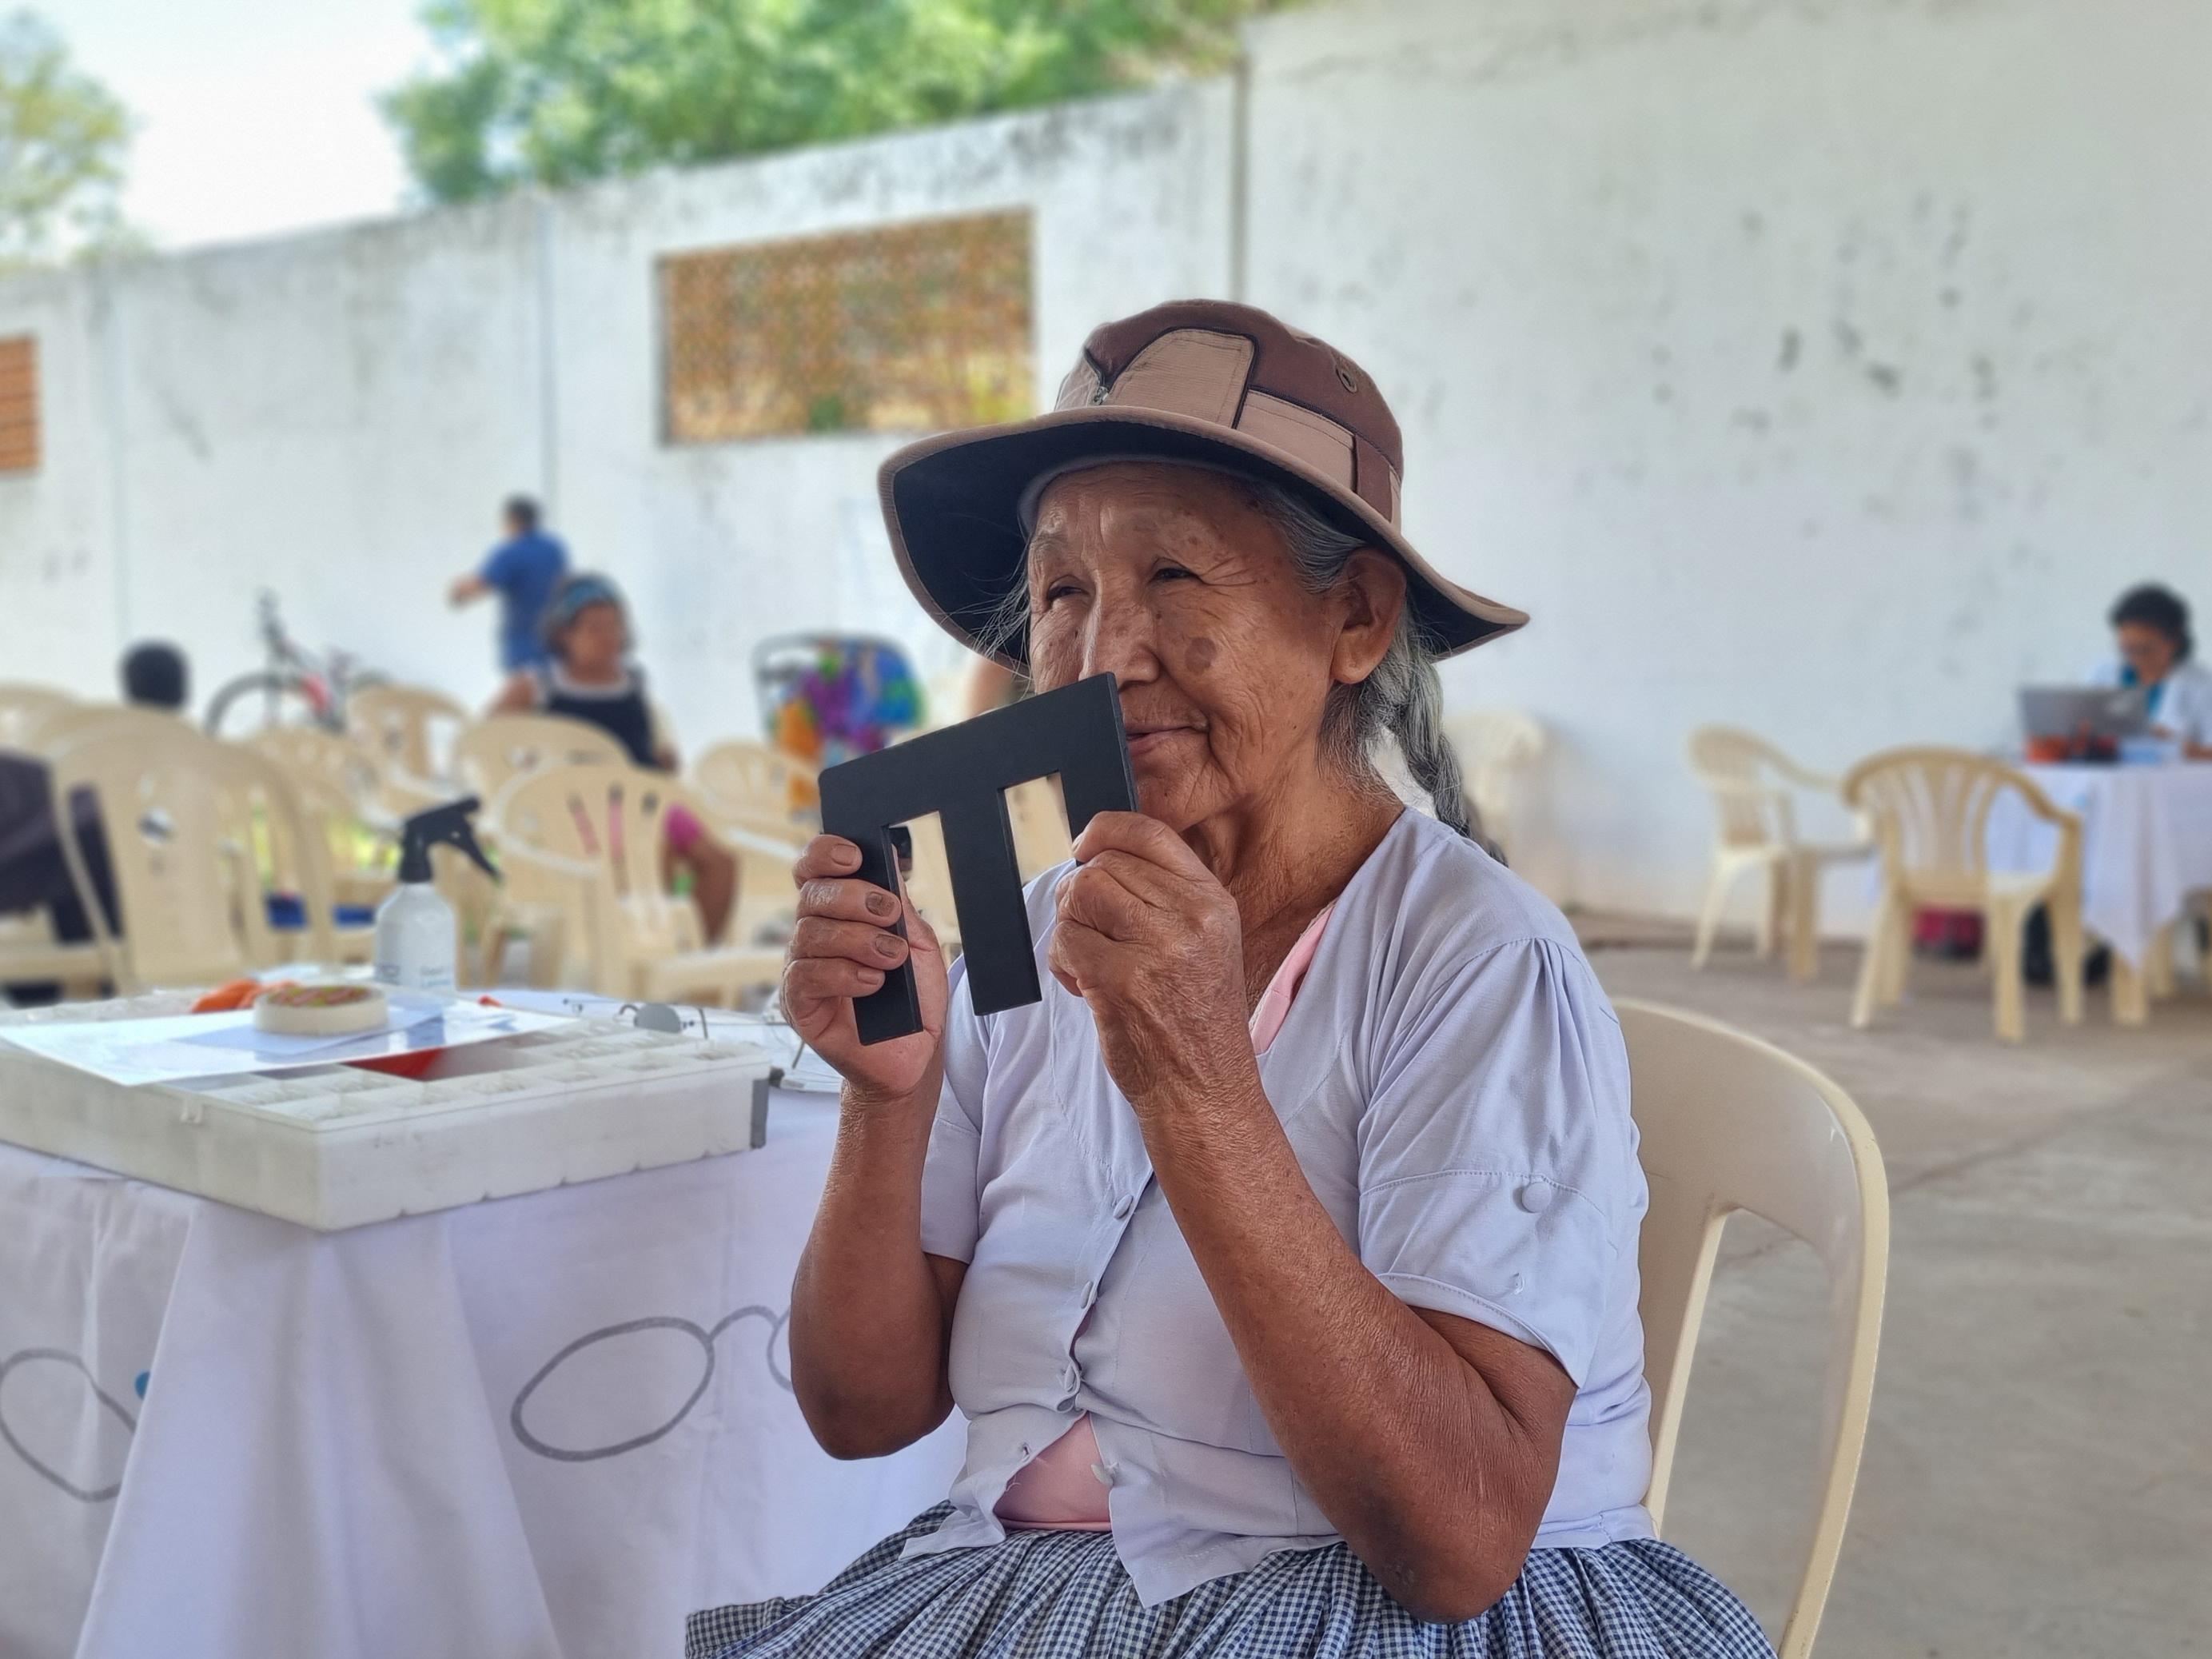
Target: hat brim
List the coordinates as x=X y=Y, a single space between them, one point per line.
x=952 y=505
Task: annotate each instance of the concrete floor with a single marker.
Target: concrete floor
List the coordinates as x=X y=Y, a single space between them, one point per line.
x=2038 y=1478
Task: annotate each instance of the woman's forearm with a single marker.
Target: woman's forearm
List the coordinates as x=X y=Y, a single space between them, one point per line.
x=1432 y=1478
x=869 y=1317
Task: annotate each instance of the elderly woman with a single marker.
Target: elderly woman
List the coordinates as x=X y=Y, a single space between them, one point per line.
x=1283 y=1259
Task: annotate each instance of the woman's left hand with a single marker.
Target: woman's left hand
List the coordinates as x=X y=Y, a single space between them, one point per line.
x=1151 y=942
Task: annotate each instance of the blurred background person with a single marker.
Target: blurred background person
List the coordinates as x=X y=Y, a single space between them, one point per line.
x=587 y=675
x=34 y=873
x=156 y=675
x=2150 y=629
x=523 y=570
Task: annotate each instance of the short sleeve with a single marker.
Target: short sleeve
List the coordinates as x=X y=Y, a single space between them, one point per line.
x=1497 y=1159
x=951 y=1206
x=498 y=569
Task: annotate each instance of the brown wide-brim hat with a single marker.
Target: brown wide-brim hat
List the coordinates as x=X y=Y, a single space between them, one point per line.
x=1203 y=381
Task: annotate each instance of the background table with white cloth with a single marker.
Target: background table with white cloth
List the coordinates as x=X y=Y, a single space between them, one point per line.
x=2146 y=845
x=544 y=1426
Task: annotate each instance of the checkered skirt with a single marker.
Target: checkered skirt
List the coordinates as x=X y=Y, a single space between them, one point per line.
x=1048 y=1594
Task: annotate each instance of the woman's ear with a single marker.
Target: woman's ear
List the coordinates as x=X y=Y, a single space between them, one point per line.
x=1373 y=595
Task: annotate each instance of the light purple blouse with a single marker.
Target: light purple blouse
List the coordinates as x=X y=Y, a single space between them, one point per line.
x=1454 y=1084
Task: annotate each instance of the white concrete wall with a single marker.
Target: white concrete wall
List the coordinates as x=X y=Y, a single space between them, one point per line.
x=1825 y=368
x=57 y=546
x=1821 y=367
x=721 y=546
x=336 y=416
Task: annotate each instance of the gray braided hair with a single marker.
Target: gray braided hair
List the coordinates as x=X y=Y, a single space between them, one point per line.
x=1401 y=699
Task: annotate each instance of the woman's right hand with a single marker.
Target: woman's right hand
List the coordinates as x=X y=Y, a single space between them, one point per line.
x=844 y=945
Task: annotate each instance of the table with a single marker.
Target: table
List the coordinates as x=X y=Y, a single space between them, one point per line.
x=2146 y=845
x=546 y=1425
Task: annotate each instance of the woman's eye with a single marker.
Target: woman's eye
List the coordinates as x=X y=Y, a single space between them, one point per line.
x=1172 y=573
x=1060 y=591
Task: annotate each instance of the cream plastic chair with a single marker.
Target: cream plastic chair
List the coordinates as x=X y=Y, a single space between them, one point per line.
x=1729 y=1123
x=38 y=724
x=929 y=883
x=182 y=863
x=1930 y=811
x=293 y=849
x=1755 y=828
x=495 y=751
x=486 y=757
x=405 y=731
x=584 y=844
x=1039 y=817
x=748 y=781
x=1495 y=747
x=336 y=788
x=24 y=709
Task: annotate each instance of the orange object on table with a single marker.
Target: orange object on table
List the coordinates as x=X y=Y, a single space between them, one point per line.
x=230 y=998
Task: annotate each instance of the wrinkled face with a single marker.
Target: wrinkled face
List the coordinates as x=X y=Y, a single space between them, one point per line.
x=2145 y=649
x=593 y=644
x=1171 y=579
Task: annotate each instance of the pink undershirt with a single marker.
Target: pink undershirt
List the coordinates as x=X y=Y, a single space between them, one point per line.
x=1062 y=1485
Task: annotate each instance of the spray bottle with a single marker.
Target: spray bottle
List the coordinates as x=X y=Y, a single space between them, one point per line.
x=418 y=940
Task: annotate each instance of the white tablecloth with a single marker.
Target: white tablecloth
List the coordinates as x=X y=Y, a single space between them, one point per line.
x=2145 y=843
x=548 y=1425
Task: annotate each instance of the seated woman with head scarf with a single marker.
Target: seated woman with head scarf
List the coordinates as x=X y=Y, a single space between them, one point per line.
x=591 y=677
x=1283 y=1259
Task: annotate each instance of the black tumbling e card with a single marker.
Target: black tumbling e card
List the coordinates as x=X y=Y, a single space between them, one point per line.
x=962 y=773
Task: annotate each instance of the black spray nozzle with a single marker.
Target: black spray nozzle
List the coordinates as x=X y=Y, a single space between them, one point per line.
x=449 y=823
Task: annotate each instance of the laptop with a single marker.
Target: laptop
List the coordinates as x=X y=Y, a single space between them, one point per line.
x=2073 y=711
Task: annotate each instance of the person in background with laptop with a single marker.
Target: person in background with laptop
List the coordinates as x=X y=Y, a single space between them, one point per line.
x=2150 y=625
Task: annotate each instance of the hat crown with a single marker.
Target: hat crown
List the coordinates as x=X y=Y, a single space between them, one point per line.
x=1240 y=368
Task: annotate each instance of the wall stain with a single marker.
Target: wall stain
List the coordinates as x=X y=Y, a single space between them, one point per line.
x=1786 y=358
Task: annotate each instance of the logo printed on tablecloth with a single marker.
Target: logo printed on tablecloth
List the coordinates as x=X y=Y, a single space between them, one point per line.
x=704 y=1336
x=114 y=1407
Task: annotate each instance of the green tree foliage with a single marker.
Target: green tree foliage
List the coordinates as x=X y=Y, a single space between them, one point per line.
x=559 y=91
x=62 y=141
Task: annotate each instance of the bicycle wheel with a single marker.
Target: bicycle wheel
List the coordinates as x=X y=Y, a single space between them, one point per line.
x=254 y=702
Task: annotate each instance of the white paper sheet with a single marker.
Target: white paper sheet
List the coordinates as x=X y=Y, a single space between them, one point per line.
x=132 y=1052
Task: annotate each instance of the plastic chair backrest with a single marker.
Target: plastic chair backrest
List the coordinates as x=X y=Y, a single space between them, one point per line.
x=1727 y=1122
x=491 y=754
x=1494 y=746
x=742 y=776
x=1745 y=773
x=24 y=709
x=401 y=727
x=318 y=761
x=65 y=722
x=606 y=822
x=333 y=789
x=177 y=848
x=1930 y=811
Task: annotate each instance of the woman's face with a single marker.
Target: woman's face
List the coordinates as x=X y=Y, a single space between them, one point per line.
x=594 y=642
x=2147 y=650
x=1172 y=580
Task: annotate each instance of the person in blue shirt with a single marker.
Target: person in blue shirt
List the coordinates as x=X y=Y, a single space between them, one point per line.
x=523 y=570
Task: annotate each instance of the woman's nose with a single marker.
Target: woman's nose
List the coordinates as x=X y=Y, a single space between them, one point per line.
x=1119 y=642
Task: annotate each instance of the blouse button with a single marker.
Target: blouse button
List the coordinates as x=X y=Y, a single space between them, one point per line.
x=1535 y=1196
x=1089 y=1291
x=1122 y=1209
x=1102 y=1475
